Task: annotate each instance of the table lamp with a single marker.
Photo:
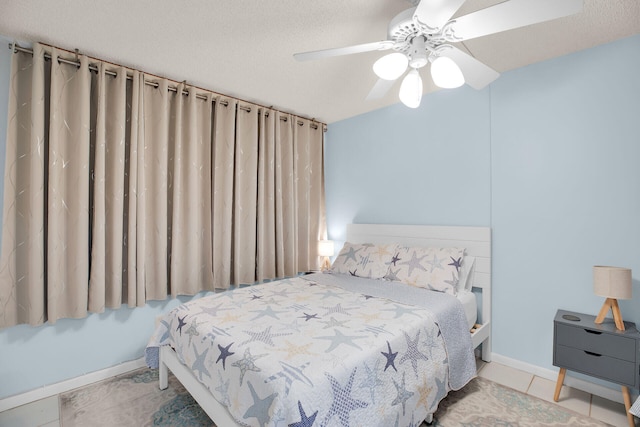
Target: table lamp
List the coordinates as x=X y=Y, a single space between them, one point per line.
x=325 y=250
x=613 y=283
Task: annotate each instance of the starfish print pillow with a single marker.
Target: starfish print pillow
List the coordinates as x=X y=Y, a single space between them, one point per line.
x=436 y=269
x=364 y=259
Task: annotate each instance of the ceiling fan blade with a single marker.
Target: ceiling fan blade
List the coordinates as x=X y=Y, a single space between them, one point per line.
x=435 y=13
x=339 y=51
x=380 y=89
x=511 y=14
x=476 y=74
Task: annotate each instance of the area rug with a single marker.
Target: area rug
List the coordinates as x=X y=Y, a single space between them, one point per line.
x=134 y=399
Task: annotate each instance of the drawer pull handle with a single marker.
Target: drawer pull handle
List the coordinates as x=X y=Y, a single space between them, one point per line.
x=589 y=331
x=592 y=354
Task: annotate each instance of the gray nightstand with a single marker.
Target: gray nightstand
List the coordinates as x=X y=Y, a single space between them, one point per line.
x=600 y=351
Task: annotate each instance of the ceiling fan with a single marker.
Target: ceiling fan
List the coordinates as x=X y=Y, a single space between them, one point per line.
x=423 y=35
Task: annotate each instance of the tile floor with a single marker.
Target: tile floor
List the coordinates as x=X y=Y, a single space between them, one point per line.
x=45 y=412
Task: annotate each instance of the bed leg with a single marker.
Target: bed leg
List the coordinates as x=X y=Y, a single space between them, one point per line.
x=163 y=374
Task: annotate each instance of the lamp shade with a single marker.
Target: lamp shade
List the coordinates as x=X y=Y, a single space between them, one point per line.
x=612 y=282
x=446 y=73
x=391 y=66
x=411 y=89
x=325 y=247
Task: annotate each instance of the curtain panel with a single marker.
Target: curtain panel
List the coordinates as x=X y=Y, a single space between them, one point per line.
x=118 y=191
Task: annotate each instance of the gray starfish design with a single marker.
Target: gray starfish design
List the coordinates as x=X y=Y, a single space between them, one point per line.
x=192 y=331
x=337 y=309
x=199 y=364
x=213 y=311
x=247 y=363
x=263 y=336
x=333 y=323
x=350 y=254
x=414 y=263
x=223 y=389
x=290 y=374
x=435 y=263
x=403 y=394
x=413 y=354
x=401 y=310
x=267 y=312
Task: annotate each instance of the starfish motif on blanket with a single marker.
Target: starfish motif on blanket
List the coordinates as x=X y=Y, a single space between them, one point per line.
x=333 y=323
x=343 y=404
x=413 y=354
x=265 y=336
x=213 y=311
x=192 y=330
x=267 y=312
x=198 y=365
x=339 y=338
x=392 y=275
x=290 y=374
x=414 y=263
x=395 y=259
x=167 y=332
x=181 y=323
x=293 y=350
x=371 y=380
x=247 y=363
x=308 y=317
x=223 y=389
x=401 y=310
x=305 y=421
x=403 y=394
x=224 y=353
x=260 y=407
x=391 y=357
x=337 y=309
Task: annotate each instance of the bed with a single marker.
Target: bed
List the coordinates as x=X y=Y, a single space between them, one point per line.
x=331 y=349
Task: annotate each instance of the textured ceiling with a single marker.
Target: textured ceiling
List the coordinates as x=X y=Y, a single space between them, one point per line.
x=244 y=48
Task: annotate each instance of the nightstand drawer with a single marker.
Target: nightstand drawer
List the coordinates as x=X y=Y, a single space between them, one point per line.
x=598 y=342
x=604 y=367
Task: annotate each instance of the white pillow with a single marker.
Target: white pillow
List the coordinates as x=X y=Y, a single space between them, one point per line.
x=437 y=269
x=364 y=259
x=467 y=272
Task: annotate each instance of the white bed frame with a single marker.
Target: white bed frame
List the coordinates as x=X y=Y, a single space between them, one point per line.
x=476 y=240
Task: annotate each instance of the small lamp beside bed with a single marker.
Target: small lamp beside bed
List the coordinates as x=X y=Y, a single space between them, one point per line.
x=613 y=283
x=325 y=250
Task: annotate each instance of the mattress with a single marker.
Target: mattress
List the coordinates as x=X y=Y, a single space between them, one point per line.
x=470 y=305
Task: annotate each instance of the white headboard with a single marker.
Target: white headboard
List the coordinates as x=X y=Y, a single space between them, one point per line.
x=476 y=240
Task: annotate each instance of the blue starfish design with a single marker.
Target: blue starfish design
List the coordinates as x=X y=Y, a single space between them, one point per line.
x=224 y=353
x=267 y=312
x=371 y=381
x=343 y=403
x=391 y=357
x=304 y=420
x=290 y=374
x=181 y=323
x=198 y=365
x=413 y=354
x=260 y=407
x=167 y=332
x=264 y=336
x=338 y=338
x=435 y=263
x=457 y=263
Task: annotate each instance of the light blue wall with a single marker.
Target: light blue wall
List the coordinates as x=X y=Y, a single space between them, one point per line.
x=548 y=156
x=31 y=357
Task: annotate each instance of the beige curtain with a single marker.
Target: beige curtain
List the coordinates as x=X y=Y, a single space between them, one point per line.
x=119 y=191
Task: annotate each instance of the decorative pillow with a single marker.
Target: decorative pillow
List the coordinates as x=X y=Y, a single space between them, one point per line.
x=364 y=260
x=437 y=269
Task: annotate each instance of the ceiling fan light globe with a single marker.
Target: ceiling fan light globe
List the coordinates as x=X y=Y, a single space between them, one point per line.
x=446 y=73
x=391 y=66
x=411 y=89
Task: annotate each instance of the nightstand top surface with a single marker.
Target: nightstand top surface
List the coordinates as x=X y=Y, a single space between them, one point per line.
x=588 y=321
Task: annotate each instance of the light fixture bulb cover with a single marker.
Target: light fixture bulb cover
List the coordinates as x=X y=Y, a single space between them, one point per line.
x=411 y=89
x=391 y=66
x=446 y=73
x=612 y=282
x=325 y=248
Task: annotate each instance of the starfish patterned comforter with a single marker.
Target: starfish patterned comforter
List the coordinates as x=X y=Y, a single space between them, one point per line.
x=323 y=350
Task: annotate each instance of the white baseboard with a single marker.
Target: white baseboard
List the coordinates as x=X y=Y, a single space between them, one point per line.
x=64 y=386
x=549 y=374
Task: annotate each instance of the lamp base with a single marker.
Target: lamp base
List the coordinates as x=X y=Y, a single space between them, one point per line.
x=326 y=264
x=611 y=303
